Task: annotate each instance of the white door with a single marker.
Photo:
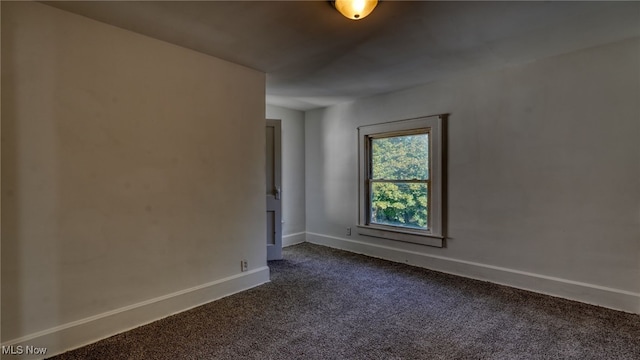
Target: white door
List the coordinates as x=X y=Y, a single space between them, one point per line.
x=274 y=190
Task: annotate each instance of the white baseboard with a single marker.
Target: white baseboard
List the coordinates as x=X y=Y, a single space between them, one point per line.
x=89 y=330
x=293 y=239
x=568 y=289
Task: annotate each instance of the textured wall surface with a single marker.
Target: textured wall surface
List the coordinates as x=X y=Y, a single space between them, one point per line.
x=131 y=168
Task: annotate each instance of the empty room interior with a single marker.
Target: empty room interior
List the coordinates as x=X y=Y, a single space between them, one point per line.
x=446 y=180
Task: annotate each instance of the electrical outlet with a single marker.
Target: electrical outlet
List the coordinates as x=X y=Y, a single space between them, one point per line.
x=348 y=231
x=244 y=265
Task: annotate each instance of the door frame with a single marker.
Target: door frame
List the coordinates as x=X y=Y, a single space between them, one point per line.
x=274 y=195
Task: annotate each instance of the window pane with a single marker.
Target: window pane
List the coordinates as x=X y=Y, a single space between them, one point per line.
x=400 y=204
x=400 y=157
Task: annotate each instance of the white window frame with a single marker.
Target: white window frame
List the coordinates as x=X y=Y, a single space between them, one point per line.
x=434 y=235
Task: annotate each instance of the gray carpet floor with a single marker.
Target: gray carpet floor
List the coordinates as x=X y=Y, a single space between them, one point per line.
x=323 y=303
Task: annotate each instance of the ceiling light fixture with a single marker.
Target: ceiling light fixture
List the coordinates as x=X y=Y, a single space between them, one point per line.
x=355 y=9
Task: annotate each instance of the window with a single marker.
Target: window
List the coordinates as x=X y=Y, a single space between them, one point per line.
x=401 y=173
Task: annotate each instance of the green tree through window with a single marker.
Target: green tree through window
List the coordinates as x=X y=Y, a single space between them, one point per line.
x=399 y=180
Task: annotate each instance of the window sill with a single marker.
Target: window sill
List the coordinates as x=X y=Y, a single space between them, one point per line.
x=415 y=237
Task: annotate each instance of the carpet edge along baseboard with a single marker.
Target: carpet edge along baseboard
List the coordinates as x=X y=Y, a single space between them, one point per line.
x=85 y=331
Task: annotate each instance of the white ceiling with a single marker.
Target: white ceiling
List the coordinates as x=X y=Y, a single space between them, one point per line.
x=314 y=57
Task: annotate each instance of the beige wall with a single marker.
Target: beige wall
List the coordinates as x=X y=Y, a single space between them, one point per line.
x=131 y=168
x=293 y=204
x=544 y=174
